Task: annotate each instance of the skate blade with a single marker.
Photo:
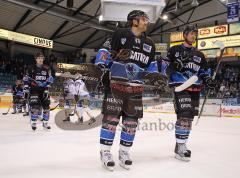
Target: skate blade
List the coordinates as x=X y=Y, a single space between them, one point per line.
x=185 y=159
x=46 y=129
x=127 y=167
x=109 y=168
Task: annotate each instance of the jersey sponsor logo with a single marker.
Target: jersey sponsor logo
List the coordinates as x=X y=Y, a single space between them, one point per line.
x=114 y=108
x=113 y=100
x=193 y=66
x=139 y=57
x=123 y=41
x=147 y=48
x=197 y=59
x=135 y=47
x=39 y=77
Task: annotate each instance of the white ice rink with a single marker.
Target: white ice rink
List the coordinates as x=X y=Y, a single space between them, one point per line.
x=215 y=145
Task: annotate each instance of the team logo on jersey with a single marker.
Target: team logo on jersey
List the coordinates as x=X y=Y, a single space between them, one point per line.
x=197 y=59
x=123 y=40
x=132 y=70
x=44 y=73
x=147 y=48
x=177 y=54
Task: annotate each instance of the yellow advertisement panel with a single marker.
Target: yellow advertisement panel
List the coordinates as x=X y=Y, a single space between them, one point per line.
x=228 y=41
x=176 y=36
x=229 y=52
x=179 y=43
x=27 y=39
x=207 y=32
x=161 y=47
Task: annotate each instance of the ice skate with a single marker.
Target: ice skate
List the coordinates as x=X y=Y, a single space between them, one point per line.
x=182 y=153
x=107 y=160
x=124 y=159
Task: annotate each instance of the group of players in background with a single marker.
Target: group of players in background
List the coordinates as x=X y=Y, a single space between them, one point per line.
x=125 y=101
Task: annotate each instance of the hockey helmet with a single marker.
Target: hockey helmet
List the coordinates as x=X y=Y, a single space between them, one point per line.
x=136 y=14
x=190 y=28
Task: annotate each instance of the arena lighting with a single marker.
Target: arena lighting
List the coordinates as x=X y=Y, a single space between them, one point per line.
x=165 y=17
x=100 y=18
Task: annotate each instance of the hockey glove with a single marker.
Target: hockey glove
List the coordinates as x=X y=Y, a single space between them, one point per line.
x=45 y=94
x=210 y=83
x=123 y=55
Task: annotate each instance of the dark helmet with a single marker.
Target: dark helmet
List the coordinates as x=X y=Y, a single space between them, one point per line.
x=190 y=28
x=136 y=14
x=39 y=55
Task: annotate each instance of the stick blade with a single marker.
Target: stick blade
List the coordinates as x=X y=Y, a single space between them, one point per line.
x=219 y=44
x=187 y=84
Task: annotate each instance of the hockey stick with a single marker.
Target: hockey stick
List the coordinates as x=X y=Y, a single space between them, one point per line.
x=5 y=113
x=222 y=48
x=187 y=84
x=54 y=107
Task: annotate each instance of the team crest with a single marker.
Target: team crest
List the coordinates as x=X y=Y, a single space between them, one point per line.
x=123 y=40
x=132 y=70
x=147 y=48
x=177 y=54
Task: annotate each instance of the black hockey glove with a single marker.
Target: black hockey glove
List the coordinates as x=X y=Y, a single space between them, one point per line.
x=45 y=94
x=123 y=55
x=210 y=83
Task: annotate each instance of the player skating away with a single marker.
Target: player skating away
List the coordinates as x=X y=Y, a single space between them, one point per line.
x=75 y=89
x=37 y=81
x=18 y=98
x=186 y=61
x=124 y=100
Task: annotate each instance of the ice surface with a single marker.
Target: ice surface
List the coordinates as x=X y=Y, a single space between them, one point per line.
x=215 y=145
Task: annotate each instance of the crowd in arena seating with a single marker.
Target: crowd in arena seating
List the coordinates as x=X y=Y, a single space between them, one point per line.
x=228 y=83
x=14 y=67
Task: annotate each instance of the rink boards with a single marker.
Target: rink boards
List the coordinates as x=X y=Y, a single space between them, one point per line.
x=213 y=107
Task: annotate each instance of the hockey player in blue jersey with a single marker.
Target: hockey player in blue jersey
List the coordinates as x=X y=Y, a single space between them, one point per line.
x=18 y=97
x=186 y=61
x=131 y=52
x=36 y=83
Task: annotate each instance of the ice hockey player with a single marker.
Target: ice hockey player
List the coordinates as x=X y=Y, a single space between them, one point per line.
x=133 y=49
x=75 y=89
x=186 y=61
x=18 y=97
x=37 y=82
